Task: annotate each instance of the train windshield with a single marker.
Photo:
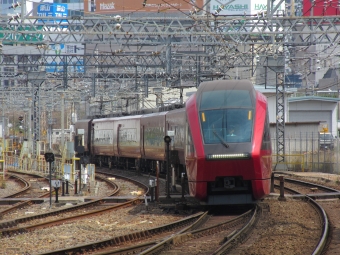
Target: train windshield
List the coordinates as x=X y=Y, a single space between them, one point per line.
x=225 y=119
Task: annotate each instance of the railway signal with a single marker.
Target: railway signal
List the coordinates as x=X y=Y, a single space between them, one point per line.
x=49 y=157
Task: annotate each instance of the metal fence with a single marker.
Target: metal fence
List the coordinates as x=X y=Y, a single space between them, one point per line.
x=32 y=165
x=304 y=153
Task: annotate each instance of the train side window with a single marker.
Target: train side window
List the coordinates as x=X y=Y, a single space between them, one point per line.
x=266 y=143
x=190 y=149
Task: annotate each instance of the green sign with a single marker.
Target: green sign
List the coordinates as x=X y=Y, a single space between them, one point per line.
x=8 y=37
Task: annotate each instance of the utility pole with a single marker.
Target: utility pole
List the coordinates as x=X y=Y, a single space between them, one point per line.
x=62 y=123
x=23 y=9
x=37 y=79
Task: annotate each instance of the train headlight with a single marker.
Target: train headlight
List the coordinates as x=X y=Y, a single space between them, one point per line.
x=228 y=156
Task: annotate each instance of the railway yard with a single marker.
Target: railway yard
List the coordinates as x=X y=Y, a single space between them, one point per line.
x=95 y=224
x=154 y=127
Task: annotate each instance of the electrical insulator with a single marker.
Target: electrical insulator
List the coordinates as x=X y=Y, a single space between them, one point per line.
x=14 y=5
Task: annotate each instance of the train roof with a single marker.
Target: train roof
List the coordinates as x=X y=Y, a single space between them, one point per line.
x=154 y=114
x=225 y=85
x=139 y=112
x=225 y=93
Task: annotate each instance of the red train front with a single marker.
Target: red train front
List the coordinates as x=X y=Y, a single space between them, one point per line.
x=228 y=151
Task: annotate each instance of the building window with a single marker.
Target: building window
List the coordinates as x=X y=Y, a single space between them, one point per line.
x=8 y=59
x=9 y=70
x=8 y=83
x=23 y=59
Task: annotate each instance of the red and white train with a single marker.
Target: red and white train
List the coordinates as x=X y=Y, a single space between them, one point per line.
x=221 y=141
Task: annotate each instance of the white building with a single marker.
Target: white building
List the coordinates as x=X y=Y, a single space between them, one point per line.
x=313 y=108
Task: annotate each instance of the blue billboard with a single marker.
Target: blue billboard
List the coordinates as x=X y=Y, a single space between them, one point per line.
x=63 y=52
x=52 y=10
x=58 y=67
x=54 y=67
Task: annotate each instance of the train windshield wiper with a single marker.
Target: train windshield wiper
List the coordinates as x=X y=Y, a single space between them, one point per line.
x=221 y=139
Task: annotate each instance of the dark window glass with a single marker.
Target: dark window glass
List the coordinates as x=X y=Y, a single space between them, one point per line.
x=326 y=136
x=227 y=125
x=35 y=58
x=8 y=58
x=218 y=99
x=266 y=143
x=8 y=83
x=9 y=70
x=23 y=58
x=190 y=148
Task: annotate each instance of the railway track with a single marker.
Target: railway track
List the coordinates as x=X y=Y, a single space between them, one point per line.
x=23 y=182
x=217 y=238
x=118 y=241
x=224 y=230
x=12 y=223
x=303 y=188
x=19 y=225
x=295 y=186
x=22 y=204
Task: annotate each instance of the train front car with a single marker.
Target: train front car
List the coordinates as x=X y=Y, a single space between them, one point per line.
x=228 y=151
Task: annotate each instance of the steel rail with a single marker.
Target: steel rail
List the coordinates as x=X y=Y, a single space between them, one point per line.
x=13 y=223
x=8 y=227
x=323 y=216
x=119 y=240
x=184 y=235
x=310 y=184
x=27 y=186
x=144 y=246
x=238 y=235
x=16 y=230
x=325 y=226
